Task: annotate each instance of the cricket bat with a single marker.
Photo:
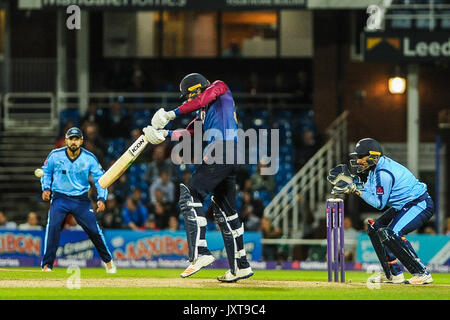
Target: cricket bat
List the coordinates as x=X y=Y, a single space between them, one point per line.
x=123 y=163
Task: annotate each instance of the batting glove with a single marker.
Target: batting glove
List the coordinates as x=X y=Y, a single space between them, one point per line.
x=155 y=136
x=161 y=118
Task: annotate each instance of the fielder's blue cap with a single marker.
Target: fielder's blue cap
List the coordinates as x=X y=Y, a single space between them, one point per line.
x=74 y=132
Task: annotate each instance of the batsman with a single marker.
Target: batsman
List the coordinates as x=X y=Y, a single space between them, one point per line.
x=389 y=184
x=214 y=106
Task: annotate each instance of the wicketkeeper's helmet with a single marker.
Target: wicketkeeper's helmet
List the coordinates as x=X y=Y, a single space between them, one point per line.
x=366 y=147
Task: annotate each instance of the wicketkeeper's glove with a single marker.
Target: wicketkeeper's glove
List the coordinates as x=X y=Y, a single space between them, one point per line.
x=344 y=182
x=340 y=173
x=155 y=136
x=161 y=118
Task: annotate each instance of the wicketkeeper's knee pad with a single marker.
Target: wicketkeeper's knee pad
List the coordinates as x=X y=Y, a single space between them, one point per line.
x=379 y=248
x=399 y=249
x=192 y=221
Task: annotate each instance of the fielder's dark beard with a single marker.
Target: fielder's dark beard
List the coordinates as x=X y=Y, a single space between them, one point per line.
x=73 y=149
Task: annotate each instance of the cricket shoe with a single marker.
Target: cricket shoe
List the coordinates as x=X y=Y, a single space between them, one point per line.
x=197 y=264
x=423 y=278
x=240 y=274
x=112 y=269
x=381 y=278
x=46 y=268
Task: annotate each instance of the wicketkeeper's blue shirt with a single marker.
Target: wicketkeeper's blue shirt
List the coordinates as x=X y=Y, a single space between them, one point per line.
x=71 y=176
x=391 y=184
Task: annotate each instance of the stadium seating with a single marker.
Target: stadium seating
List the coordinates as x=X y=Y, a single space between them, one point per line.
x=140 y=119
x=67 y=115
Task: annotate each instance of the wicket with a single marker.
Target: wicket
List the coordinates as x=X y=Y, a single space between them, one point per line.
x=335 y=248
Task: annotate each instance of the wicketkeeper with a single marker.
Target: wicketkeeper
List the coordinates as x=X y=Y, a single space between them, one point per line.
x=389 y=184
x=214 y=105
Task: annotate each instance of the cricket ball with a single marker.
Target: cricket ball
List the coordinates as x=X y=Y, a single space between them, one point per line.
x=38 y=172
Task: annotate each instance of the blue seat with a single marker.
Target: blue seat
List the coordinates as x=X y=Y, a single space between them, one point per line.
x=260 y=114
x=141 y=119
x=132 y=180
x=116 y=147
x=264 y=196
x=285 y=114
x=145 y=197
x=67 y=115
x=138 y=169
x=253 y=168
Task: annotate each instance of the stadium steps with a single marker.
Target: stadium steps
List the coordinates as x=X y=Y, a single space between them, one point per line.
x=20 y=155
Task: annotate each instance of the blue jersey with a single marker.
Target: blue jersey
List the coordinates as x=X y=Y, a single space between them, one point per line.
x=215 y=107
x=138 y=217
x=391 y=184
x=221 y=116
x=71 y=177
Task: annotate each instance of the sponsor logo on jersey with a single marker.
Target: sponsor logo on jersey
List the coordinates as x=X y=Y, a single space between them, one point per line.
x=380 y=190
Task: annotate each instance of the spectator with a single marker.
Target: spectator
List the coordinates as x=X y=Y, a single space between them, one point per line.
x=303 y=87
x=447 y=227
x=233 y=51
x=306 y=220
x=251 y=211
x=161 y=209
x=350 y=235
x=71 y=223
x=91 y=147
x=318 y=252
x=254 y=85
x=91 y=134
x=120 y=189
x=150 y=224
x=186 y=177
x=94 y=116
x=4 y=223
x=262 y=182
x=165 y=185
x=137 y=195
x=429 y=230
x=242 y=176
x=268 y=231
x=118 y=123
x=138 y=79
x=115 y=77
x=32 y=222
x=134 y=214
x=305 y=148
x=247 y=185
x=160 y=163
x=146 y=154
x=111 y=218
x=173 y=223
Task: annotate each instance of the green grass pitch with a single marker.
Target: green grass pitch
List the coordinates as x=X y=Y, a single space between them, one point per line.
x=165 y=284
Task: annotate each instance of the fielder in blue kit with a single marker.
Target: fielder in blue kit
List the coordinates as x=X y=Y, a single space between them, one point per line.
x=65 y=184
x=390 y=184
x=214 y=106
